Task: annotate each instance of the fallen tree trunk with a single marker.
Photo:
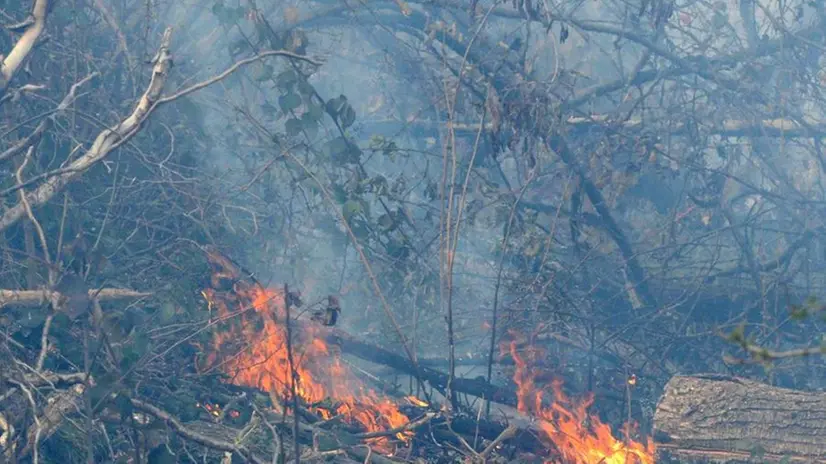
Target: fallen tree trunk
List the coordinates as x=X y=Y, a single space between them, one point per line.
x=711 y=418
x=375 y=354
x=477 y=387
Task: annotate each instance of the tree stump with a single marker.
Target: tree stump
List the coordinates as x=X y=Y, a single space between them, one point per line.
x=710 y=418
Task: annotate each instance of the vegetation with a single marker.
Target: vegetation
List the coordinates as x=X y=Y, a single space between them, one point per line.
x=634 y=187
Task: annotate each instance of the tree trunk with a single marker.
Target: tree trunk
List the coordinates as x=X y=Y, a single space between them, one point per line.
x=711 y=418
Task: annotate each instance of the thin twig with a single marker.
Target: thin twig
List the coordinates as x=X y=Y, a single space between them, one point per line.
x=506 y=434
x=293 y=374
x=412 y=425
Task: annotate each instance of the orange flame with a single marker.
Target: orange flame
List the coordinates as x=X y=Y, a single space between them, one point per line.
x=251 y=348
x=566 y=425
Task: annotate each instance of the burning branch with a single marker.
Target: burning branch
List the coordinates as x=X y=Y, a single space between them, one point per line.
x=410 y=426
x=264 y=361
x=265 y=347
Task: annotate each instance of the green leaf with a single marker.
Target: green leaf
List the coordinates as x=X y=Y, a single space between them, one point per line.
x=335 y=105
x=167 y=312
x=305 y=88
x=161 y=455
x=31 y=318
x=218 y=8
x=309 y=124
x=347 y=116
x=380 y=185
x=286 y=79
x=334 y=148
x=314 y=111
x=135 y=351
x=798 y=314
x=289 y=102
x=386 y=222
x=341 y=151
x=398 y=250
x=227 y=16
x=268 y=109
x=124 y=406
x=293 y=127
x=719 y=20
x=339 y=194
x=351 y=208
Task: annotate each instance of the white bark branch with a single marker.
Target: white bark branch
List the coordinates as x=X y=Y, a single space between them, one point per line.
x=24 y=46
x=105 y=142
x=112 y=138
x=36 y=297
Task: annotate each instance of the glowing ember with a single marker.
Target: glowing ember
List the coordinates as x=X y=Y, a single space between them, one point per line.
x=251 y=348
x=566 y=425
x=416 y=402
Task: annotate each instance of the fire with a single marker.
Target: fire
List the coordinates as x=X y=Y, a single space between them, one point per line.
x=416 y=402
x=579 y=437
x=251 y=348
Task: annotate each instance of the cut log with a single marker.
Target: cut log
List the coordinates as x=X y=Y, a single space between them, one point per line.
x=711 y=418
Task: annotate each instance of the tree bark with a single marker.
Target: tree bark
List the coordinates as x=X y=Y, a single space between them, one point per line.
x=34 y=27
x=711 y=418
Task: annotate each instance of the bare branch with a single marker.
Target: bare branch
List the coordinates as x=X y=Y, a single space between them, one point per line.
x=24 y=46
x=112 y=138
x=776 y=127
x=106 y=141
x=192 y=435
x=58 y=406
x=36 y=297
x=232 y=69
x=47 y=122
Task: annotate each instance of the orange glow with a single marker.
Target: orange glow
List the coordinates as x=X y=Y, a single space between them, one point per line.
x=251 y=348
x=566 y=425
x=416 y=402
x=249 y=345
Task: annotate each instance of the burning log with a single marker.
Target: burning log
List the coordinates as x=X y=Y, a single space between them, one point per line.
x=718 y=418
